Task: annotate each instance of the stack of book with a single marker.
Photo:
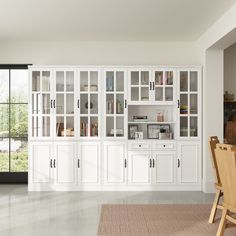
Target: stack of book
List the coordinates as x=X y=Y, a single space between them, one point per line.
x=83 y=129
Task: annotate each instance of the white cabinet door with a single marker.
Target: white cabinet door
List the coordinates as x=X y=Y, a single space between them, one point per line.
x=89 y=163
x=64 y=103
x=140 y=165
x=40 y=162
x=189 y=103
x=89 y=103
x=140 y=86
x=64 y=162
x=188 y=163
x=41 y=103
x=163 y=86
x=164 y=166
x=115 y=162
x=115 y=100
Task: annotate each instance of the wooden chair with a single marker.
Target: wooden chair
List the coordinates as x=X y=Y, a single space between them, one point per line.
x=226 y=161
x=212 y=145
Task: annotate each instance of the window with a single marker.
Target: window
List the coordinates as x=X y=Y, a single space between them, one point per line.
x=13 y=119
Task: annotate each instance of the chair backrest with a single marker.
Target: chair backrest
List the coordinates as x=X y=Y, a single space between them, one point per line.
x=226 y=161
x=212 y=145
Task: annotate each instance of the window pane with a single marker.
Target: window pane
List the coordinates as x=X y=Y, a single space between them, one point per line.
x=19 y=86
x=4 y=85
x=4 y=120
x=4 y=155
x=19 y=155
x=19 y=120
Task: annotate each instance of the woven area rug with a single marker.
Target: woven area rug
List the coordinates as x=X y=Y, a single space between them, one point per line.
x=158 y=220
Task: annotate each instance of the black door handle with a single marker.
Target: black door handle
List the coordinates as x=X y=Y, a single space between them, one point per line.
x=78 y=164
x=150 y=85
x=51 y=103
x=125 y=163
x=54 y=163
x=150 y=163
x=178 y=162
x=51 y=163
x=178 y=103
x=153 y=85
x=153 y=163
x=78 y=103
x=54 y=103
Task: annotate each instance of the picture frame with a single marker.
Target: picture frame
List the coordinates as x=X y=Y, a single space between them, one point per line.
x=138 y=135
x=153 y=131
x=132 y=130
x=165 y=128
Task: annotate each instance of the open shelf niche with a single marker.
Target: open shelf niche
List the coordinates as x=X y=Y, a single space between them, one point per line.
x=160 y=119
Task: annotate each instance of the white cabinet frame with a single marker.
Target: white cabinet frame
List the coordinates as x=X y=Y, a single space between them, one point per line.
x=138 y=162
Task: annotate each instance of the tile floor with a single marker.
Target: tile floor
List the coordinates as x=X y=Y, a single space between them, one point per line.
x=72 y=213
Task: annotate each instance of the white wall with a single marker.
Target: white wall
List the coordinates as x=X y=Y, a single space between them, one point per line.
x=107 y=53
x=213 y=113
x=230 y=69
x=211 y=47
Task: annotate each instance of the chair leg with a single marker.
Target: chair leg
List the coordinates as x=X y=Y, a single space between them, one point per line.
x=221 y=228
x=214 y=206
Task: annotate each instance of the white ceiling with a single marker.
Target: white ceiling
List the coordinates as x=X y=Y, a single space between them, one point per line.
x=109 y=20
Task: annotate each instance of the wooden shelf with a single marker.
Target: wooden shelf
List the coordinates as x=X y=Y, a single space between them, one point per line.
x=229 y=101
x=150 y=122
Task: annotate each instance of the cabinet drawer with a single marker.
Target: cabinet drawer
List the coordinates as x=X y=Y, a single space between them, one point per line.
x=139 y=145
x=164 y=146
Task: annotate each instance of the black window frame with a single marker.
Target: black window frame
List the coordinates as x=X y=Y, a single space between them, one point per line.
x=13 y=177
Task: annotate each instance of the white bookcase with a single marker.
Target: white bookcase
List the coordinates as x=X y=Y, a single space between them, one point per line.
x=83 y=119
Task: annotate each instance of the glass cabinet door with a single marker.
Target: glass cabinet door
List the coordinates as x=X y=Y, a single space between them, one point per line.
x=89 y=103
x=115 y=103
x=140 y=86
x=189 y=103
x=163 y=86
x=41 y=103
x=64 y=103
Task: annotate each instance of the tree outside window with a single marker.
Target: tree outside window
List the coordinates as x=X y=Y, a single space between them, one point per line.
x=13 y=120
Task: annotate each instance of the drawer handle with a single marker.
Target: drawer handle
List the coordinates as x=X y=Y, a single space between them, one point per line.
x=140 y=145
x=164 y=145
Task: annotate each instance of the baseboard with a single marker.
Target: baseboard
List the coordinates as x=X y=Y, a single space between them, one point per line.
x=209 y=187
x=113 y=188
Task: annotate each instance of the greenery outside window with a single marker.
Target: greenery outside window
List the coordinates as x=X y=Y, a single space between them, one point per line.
x=14 y=119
